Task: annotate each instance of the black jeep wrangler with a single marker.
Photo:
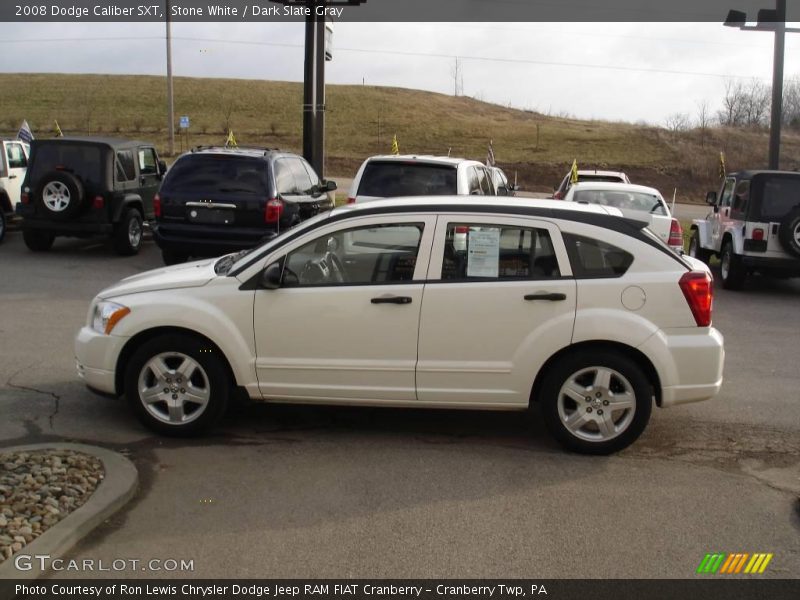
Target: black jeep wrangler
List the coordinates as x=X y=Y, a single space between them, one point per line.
x=84 y=186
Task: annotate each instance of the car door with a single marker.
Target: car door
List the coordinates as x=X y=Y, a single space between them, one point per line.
x=17 y=164
x=721 y=215
x=349 y=338
x=149 y=178
x=493 y=311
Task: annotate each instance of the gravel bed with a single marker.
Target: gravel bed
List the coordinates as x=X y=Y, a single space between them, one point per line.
x=38 y=489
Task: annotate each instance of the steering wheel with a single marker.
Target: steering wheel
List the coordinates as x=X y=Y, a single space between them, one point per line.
x=336 y=267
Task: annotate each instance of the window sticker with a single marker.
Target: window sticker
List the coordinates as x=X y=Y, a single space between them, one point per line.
x=483 y=257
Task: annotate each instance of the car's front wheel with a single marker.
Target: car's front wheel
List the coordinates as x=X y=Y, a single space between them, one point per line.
x=38 y=240
x=731 y=269
x=696 y=250
x=177 y=384
x=596 y=402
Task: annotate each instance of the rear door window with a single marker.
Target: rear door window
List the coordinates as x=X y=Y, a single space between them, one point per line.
x=215 y=174
x=395 y=178
x=126 y=169
x=82 y=160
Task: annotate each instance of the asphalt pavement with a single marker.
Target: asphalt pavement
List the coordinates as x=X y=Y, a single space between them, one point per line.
x=292 y=491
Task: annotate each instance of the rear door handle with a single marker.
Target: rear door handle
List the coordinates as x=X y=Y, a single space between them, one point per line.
x=391 y=300
x=552 y=297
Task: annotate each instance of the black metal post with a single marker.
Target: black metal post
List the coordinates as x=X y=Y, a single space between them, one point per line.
x=319 y=116
x=309 y=91
x=777 y=87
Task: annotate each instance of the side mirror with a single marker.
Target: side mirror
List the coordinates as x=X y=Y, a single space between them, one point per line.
x=271 y=277
x=329 y=186
x=711 y=198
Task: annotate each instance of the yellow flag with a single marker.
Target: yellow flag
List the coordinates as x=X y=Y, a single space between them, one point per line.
x=231 y=141
x=57 y=130
x=395 y=147
x=722 y=165
x=573 y=176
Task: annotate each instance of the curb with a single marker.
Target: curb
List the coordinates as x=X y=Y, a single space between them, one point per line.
x=117 y=488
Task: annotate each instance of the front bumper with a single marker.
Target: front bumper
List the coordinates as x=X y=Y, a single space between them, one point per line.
x=689 y=363
x=96 y=357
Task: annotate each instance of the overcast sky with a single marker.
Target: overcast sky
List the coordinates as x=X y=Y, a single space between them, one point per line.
x=628 y=71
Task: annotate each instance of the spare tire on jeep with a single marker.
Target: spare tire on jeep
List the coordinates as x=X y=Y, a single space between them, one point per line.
x=789 y=232
x=60 y=194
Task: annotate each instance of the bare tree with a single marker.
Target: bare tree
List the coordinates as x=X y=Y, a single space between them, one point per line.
x=731 y=112
x=756 y=103
x=791 y=102
x=703 y=120
x=457 y=73
x=678 y=122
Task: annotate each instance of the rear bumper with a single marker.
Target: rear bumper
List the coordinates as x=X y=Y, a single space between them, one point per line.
x=689 y=362
x=786 y=266
x=203 y=240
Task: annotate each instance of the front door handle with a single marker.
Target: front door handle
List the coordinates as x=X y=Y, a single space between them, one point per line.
x=552 y=297
x=391 y=300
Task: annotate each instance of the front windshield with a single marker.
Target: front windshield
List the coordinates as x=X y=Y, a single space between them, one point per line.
x=235 y=261
x=623 y=199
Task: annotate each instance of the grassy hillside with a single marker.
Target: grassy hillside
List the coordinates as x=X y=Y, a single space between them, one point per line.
x=361 y=121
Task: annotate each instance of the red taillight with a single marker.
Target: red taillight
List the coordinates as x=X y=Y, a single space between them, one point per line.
x=351 y=200
x=675 y=234
x=25 y=197
x=758 y=234
x=98 y=202
x=698 y=289
x=157 y=205
x=462 y=229
x=273 y=210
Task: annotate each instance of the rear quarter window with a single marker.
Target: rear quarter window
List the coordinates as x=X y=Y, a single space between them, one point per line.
x=592 y=258
x=388 y=179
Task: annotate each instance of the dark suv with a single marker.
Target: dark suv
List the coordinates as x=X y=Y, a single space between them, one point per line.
x=216 y=200
x=84 y=186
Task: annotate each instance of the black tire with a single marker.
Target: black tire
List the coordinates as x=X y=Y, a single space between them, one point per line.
x=170 y=257
x=128 y=233
x=732 y=271
x=583 y=368
x=205 y=375
x=2 y=224
x=696 y=250
x=60 y=195
x=38 y=240
x=789 y=232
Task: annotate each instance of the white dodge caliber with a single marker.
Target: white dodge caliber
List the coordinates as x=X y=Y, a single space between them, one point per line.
x=586 y=314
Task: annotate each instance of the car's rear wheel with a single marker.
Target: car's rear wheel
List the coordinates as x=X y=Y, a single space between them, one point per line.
x=696 y=250
x=60 y=195
x=731 y=269
x=128 y=233
x=38 y=240
x=170 y=257
x=596 y=402
x=177 y=385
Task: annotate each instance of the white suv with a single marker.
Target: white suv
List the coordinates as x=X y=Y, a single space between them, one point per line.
x=588 y=315
x=13 y=165
x=394 y=175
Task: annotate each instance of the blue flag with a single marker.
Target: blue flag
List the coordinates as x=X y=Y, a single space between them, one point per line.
x=25 y=134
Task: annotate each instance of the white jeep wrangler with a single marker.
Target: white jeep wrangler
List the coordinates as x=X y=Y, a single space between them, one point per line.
x=13 y=164
x=754 y=226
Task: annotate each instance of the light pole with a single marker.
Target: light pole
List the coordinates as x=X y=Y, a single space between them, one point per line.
x=170 y=100
x=770 y=20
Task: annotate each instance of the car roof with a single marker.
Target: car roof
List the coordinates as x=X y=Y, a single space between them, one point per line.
x=467 y=203
x=422 y=158
x=613 y=185
x=603 y=173
x=102 y=141
x=750 y=173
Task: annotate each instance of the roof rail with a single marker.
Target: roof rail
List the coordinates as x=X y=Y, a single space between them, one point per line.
x=240 y=147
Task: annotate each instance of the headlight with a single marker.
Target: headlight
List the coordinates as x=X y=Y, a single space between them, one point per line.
x=107 y=315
